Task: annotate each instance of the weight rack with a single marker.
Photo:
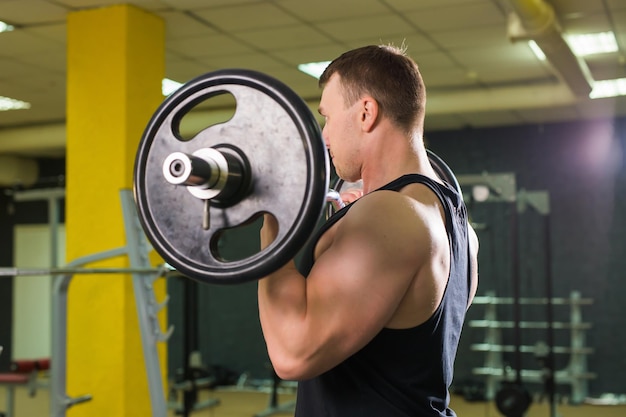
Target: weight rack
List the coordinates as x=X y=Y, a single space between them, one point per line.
x=575 y=374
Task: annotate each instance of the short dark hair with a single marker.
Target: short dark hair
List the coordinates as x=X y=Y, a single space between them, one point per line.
x=389 y=75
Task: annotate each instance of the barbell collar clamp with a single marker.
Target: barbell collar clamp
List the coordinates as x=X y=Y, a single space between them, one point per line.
x=180 y=168
x=209 y=173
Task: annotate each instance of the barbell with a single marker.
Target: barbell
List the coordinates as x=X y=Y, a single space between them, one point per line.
x=269 y=157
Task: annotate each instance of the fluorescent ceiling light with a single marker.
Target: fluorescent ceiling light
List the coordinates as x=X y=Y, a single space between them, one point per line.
x=592 y=43
x=584 y=44
x=5 y=27
x=169 y=86
x=537 y=50
x=7 y=103
x=609 y=88
x=314 y=69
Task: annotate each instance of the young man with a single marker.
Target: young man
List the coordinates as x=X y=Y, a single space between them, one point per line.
x=372 y=326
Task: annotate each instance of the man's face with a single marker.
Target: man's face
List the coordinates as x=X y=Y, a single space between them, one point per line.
x=341 y=130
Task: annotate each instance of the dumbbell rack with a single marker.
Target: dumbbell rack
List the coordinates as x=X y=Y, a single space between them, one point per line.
x=495 y=370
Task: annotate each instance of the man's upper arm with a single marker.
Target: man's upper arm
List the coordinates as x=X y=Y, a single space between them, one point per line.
x=356 y=285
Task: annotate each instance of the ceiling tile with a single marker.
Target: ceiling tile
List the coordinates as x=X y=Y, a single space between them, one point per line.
x=616 y=4
x=460 y=46
x=202 y=4
x=20 y=42
x=180 y=25
x=182 y=69
x=410 y=5
x=17 y=13
x=484 y=36
x=256 y=60
x=89 y=4
x=282 y=38
x=502 y=56
x=328 y=10
x=498 y=76
x=462 y=16
x=13 y=69
x=53 y=60
x=591 y=23
x=576 y=8
x=435 y=61
x=606 y=66
x=247 y=17
x=55 y=32
x=315 y=53
x=359 y=28
x=206 y=46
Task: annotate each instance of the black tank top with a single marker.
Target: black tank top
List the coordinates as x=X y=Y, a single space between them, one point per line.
x=401 y=372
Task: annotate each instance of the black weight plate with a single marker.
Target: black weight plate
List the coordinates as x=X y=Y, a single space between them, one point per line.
x=289 y=170
x=443 y=170
x=513 y=400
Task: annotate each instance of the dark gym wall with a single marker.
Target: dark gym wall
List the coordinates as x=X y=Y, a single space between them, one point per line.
x=581 y=165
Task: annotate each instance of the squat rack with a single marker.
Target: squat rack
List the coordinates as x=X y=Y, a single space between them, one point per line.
x=143 y=274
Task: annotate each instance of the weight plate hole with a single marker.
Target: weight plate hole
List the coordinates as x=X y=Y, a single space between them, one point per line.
x=239 y=242
x=215 y=110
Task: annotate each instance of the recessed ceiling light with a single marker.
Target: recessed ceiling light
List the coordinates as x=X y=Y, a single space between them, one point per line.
x=592 y=43
x=537 y=50
x=314 y=69
x=583 y=44
x=609 y=88
x=5 y=27
x=8 y=103
x=169 y=86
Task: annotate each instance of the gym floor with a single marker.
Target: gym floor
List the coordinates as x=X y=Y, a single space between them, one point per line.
x=250 y=403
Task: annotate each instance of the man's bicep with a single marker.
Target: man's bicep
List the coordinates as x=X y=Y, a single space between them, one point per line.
x=356 y=285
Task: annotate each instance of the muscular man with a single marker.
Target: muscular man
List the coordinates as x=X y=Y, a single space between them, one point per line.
x=371 y=326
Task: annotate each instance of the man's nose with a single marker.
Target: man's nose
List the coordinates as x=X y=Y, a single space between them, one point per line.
x=325 y=137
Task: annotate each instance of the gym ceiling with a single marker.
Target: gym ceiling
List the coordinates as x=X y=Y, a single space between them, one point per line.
x=477 y=64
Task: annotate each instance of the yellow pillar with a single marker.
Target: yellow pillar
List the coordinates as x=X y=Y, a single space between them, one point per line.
x=115 y=64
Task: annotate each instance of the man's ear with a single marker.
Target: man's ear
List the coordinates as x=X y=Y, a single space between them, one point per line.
x=369 y=113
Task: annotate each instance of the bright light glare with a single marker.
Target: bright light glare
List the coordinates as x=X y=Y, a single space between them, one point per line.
x=314 y=69
x=592 y=43
x=169 y=86
x=583 y=44
x=5 y=27
x=609 y=88
x=8 y=103
x=537 y=50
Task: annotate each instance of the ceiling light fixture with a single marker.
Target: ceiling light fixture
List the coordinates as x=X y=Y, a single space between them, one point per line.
x=609 y=88
x=5 y=27
x=314 y=69
x=8 y=103
x=592 y=43
x=537 y=50
x=169 y=86
x=583 y=44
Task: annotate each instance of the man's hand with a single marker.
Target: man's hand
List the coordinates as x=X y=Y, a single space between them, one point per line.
x=269 y=231
x=352 y=194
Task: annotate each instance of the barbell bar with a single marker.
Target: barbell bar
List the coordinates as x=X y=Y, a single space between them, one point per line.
x=13 y=271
